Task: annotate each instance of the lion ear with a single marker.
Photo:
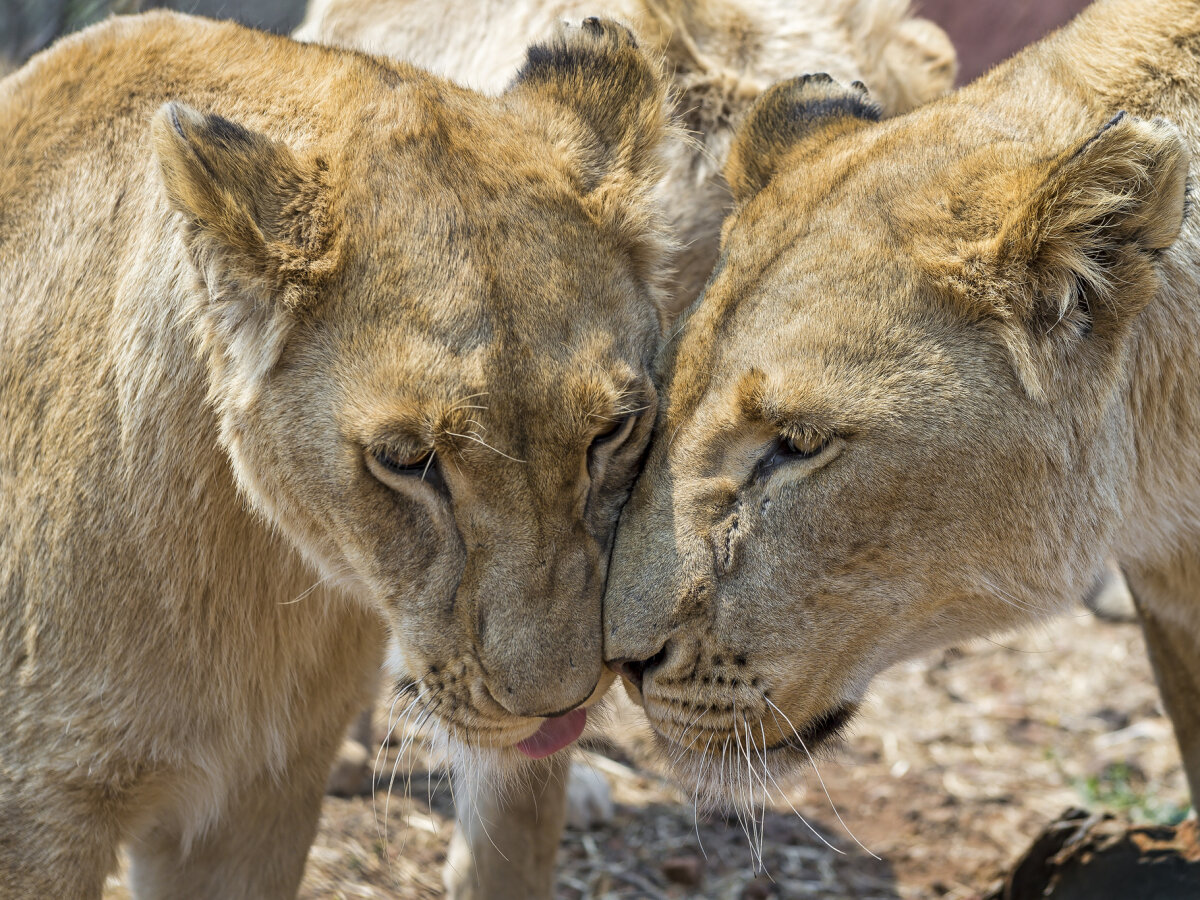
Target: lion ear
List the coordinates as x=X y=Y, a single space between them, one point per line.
x=803 y=109
x=1122 y=188
x=1081 y=236
x=595 y=76
x=605 y=105
x=253 y=213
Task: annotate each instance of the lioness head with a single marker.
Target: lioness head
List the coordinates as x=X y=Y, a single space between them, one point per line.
x=892 y=421
x=429 y=335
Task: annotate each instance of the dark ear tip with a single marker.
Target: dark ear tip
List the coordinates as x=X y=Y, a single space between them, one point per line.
x=786 y=113
x=595 y=46
x=598 y=29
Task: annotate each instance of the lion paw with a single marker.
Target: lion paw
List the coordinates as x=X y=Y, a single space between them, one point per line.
x=589 y=800
x=351 y=772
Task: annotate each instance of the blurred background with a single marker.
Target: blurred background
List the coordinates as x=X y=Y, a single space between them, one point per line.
x=27 y=26
x=984 y=31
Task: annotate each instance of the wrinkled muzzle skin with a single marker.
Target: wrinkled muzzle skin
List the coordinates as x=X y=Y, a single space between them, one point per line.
x=470 y=311
x=896 y=418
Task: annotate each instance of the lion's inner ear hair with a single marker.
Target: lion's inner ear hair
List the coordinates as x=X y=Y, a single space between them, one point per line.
x=254 y=214
x=1073 y=254
x=1087 y=226
x=596 y=78
x=804 y=110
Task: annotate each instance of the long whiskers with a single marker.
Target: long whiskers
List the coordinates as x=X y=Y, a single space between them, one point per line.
x=821 y=780
x=478 y=440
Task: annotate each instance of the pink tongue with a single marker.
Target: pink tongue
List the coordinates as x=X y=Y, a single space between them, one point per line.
x=554 y=734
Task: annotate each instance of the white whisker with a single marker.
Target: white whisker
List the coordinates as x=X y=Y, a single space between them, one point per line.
x=483 y=443
x=821 y=780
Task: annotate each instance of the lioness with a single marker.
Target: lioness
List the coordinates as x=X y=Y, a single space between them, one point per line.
x=944 y=364
x=722 y=55
x=294 y=342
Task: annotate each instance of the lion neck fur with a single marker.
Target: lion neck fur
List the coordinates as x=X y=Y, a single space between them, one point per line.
x=1106 y=61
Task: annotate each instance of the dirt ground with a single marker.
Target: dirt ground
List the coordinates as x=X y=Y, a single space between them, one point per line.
x=955 y=765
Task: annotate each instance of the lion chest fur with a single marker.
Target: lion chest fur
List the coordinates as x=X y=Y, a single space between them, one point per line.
x=154 y=630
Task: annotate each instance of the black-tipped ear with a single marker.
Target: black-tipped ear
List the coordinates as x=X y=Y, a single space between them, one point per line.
x=254 y=213
x=788 y=112
x=596 y=74
x=256 y=222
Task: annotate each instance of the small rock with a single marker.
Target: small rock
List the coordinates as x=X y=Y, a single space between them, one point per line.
x=589 y=799
x=351 y=772
x=761 y=888
x=1110 y=598
x=685 y=870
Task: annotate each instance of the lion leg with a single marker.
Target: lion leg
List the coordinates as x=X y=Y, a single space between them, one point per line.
x=505 y=849
x=1169 y=607
x=257 y=846
x=256 y=850
x=55 y=841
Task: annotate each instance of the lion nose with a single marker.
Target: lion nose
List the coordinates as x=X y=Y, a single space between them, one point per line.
x=635 y=670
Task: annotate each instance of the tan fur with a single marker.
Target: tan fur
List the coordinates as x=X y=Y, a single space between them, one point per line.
x=946 y=363
x=236 y=269
x=723 y=53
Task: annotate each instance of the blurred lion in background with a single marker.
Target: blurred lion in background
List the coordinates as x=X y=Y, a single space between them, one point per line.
x=723 y=54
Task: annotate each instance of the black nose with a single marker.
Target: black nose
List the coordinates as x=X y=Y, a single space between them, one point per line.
x=635 y=669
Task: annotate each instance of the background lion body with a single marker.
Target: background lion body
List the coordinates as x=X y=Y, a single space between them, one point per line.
x=722 y=53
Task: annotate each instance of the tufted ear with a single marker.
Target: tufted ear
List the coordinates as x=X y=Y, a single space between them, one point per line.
x=604 y=104
x=255 y=223
x=808 y=108
x=251 y=207
x=1075 y=253
x=596 y=76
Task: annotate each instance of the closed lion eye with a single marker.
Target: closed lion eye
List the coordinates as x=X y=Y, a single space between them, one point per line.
x=612 y=428
x=805 y=447
x=415 y=464
x=807 y=450
x=611 y=436
x=387 y=465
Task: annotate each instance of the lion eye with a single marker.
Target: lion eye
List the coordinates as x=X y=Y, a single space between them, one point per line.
x=803 y=448
x=421 y=465
x=808 y=451
x=614 y=428
x=613 y=434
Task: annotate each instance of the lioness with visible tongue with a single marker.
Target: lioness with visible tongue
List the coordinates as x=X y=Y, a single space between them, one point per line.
x=296 y=345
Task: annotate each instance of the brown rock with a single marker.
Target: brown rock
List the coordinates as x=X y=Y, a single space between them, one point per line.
x=685 y=870
x=1081 y=857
